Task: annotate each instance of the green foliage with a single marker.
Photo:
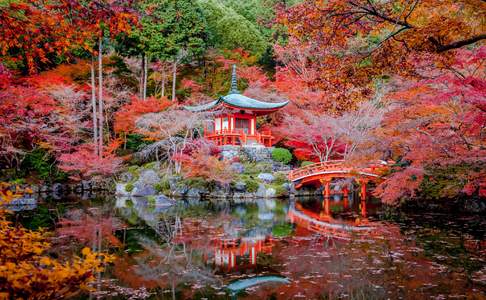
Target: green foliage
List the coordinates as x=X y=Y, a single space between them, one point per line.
x=163 y=186
x=134 y=170
x=170 y=27
x=282 y=155
x=251 y=185
x=280 y=191
x=230 y=30
x=129 y=187
x=446 y=182
x=282 y=230
x=257 y=168
x=306 y=163
x=196 y=182
x=42 y=164
x=280 y=178
x=135 y=142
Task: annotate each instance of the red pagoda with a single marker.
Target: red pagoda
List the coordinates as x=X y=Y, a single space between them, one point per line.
x=236 y=118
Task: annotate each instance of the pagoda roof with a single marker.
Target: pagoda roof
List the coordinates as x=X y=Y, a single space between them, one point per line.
x=236 y=100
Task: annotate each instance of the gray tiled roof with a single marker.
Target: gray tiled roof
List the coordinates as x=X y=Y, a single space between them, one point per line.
x=239 y=101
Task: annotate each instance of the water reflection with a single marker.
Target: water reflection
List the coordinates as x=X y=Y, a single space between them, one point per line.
x=339 y=247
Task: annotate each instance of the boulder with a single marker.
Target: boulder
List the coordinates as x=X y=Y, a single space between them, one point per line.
x=126 y=177
x=148 y=177
x=279 y=167
x=266 y=177
x=238 y=168
x=86 y=185
x=229 y=152
x=120 y=189
x=194 y=193
x=145 y=185
x=180 y=191
x=264 y=192
x=239 y=196
x=240 y=186
x=143 y=191
x=270 y=193
x=220 y=194
x=173 y=181
x=164 y=201
x=57 y=188
x=34 y=188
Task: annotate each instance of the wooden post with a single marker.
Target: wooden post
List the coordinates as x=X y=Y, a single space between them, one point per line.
x=363 y=189
x=327 y=206
x=326 y=192
x=363 y=208
x=345 y=197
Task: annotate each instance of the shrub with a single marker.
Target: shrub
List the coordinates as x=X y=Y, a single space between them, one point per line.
x=42 y=163
x=251 y=185
x=280 y=178
x=129 y=187
x=306 y=163
x=135 y=142
x=162 y=186
x=197 y=182
x=281 y=155
x=280 y=191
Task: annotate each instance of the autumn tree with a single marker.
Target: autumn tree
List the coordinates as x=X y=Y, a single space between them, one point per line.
x=436 y=131
x=349 y=43
x=174 y=130
x=26 y=269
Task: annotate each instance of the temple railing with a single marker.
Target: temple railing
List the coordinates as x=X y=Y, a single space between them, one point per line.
x=230 y=136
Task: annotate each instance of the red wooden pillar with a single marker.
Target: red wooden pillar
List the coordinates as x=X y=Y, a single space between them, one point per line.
x=327 y=206
x=345 y=197
x=363 y=189
x=326 y=192
x=363 y=209
x=363 y=183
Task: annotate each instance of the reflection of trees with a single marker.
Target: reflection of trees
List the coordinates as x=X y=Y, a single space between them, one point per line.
x=174 y=261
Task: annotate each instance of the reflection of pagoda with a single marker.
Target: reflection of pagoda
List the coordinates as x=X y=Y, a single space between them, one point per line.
x=240 y=253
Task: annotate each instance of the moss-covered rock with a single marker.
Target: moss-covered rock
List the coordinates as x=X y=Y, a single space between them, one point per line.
x=129 y=187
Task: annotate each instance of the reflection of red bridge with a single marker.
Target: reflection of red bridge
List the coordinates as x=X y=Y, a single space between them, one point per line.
x=323 y=173
x=326 y=225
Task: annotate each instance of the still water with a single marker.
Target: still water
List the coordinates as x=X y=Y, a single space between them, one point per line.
x=343 y=248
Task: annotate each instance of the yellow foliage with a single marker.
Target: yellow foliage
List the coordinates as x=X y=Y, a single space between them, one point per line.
x=26 y=270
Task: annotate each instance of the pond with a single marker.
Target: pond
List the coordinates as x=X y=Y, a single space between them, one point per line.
x=342 y=248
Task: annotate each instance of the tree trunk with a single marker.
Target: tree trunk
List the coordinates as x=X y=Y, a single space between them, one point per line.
x=164 y=76
x=174 y=78
x=145 y=75
x=100 y=95
x=93 y=104
x=142 y=70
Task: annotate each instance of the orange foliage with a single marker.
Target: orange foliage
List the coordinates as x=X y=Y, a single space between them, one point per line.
x=128 y=114
x=27 y=272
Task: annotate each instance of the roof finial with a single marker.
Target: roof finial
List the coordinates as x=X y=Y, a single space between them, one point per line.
x=234 y=82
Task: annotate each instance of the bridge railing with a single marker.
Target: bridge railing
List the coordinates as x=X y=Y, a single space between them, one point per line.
x=337 y=165
x=314 y=168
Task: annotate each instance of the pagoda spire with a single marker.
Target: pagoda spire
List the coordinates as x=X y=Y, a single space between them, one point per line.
x=234 y=82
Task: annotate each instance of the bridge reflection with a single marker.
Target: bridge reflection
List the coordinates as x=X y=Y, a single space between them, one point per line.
x=339 y=217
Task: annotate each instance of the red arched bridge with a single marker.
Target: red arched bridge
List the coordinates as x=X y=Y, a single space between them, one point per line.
x=324 y=172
